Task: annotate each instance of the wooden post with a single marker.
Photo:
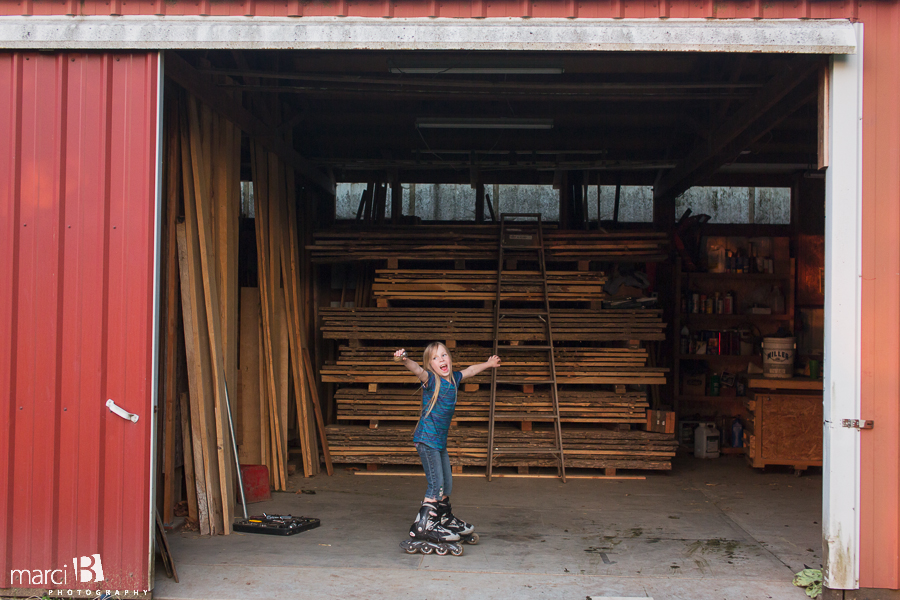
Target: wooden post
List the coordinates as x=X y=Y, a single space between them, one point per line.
x=479 y=203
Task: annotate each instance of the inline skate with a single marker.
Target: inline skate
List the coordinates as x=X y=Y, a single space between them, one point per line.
x=427 y=535
x=451 y=522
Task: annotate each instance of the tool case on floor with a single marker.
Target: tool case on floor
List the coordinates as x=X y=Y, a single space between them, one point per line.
x=276 y=524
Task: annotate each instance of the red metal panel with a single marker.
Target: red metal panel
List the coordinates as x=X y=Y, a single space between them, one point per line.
x=879 y=557
x=77 y=211
x=631 y=9
x=64 y=147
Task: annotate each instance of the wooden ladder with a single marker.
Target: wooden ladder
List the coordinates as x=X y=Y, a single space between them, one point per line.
x=522 y=234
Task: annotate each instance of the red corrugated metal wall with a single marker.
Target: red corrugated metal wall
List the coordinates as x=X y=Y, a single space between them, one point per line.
x=77 y=212
x=630 y=9
x=879 y=555
x=880 y=492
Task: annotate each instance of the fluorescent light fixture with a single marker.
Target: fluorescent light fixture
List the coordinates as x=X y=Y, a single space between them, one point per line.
x=479 y=70
x=447 y=123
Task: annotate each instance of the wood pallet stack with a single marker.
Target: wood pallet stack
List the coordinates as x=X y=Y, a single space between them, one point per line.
x=476 y=324
x=585 y=448
x=600 y=367
x=600 y=364
x=479 y=242
x=426 y=284
x=404 y=404
x=622 y=366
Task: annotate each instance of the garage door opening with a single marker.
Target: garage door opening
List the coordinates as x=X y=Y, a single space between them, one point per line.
x=348 y=204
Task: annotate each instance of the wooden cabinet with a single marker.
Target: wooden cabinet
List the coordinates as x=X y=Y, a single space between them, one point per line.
x=784 y=425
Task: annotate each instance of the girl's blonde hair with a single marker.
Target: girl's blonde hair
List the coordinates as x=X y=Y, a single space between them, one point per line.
x=430 y=350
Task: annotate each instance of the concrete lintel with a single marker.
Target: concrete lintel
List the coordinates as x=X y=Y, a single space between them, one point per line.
x=357 y=33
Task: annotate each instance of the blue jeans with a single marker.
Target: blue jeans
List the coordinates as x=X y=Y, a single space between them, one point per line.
x=437 y=471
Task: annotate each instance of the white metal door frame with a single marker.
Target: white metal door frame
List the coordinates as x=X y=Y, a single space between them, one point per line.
x=843 y=318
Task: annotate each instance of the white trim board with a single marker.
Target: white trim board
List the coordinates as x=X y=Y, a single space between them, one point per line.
x=843 y=318
x=833 y=36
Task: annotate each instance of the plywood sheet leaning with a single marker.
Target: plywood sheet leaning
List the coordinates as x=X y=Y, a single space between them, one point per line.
x=251 y=449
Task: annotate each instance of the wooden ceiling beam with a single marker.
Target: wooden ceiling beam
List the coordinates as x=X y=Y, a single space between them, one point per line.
x=181 y=72
x=745 y=125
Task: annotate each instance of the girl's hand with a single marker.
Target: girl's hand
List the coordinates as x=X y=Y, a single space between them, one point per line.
x=493 y=362
x=400 y=354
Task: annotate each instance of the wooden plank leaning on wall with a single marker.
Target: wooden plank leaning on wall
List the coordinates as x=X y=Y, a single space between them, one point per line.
x=203 y=174
x=279 y=259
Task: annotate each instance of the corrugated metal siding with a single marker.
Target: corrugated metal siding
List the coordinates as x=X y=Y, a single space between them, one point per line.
x=879 y=558
x=49 y=367
x=631 y=9
x=77 y=211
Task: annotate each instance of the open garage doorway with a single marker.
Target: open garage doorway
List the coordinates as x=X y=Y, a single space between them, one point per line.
x=382 y=177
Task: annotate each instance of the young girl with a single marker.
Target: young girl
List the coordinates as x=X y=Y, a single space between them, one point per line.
x=436 y=524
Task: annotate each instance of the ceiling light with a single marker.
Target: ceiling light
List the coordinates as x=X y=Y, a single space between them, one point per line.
x=479 y=70
x=442 y=123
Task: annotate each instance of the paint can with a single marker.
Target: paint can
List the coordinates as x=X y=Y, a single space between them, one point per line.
x=778 y=357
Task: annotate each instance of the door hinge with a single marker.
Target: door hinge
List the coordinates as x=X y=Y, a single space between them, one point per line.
x=857 y=424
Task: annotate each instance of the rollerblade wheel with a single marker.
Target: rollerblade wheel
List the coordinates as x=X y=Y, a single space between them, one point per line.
x=409 y=549
x=472 y=539
x=427 y=550
x=456 y=550
x=442 y=551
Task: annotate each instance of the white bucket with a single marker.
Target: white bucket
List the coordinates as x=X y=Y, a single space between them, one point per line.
x=778 y=357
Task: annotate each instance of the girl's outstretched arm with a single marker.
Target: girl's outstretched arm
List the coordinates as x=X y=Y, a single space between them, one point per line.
x=492 y=363
x=411 y=365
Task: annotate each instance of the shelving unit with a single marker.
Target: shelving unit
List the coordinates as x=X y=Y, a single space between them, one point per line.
x=747 y=287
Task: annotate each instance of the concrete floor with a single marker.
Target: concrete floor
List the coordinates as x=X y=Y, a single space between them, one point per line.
x=710 y=529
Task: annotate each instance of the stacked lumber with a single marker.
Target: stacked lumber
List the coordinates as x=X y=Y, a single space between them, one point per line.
x=477 y=324
x=229 y=411
x=479 y=242
x=573 y=366
x=424 y=284
x=207 y=259
x=584 y=448
x=594 y=350
x=404 y=404
x=284 y=362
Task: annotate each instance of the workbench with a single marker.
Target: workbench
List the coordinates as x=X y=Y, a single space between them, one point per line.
x=785 y=423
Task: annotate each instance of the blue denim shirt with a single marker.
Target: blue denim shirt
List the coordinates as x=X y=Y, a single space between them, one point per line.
x=432 y=430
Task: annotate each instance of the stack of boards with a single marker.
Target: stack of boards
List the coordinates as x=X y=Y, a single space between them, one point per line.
x=479 y=242
x=584 y=448
x=600 y=368
x=272 y=397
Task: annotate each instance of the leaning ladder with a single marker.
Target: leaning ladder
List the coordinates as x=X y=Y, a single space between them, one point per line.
x=522 y=235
